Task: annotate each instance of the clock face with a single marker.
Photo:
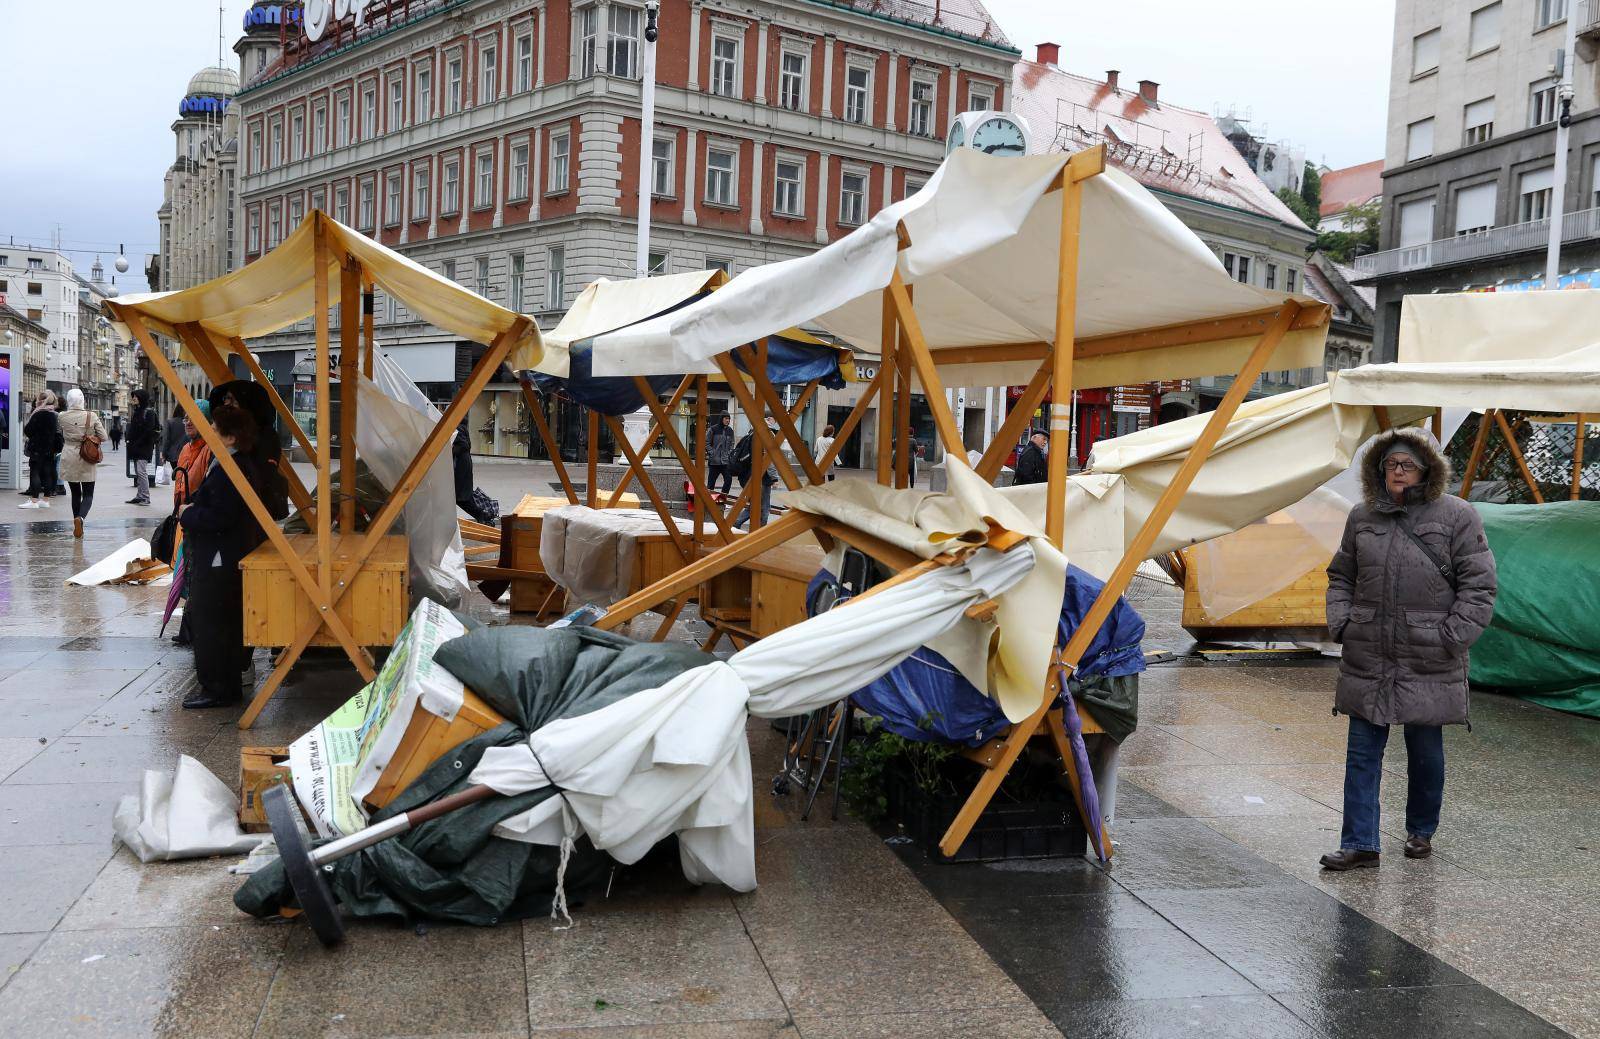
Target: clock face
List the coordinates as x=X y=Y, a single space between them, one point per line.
x=958 y=137
x=999 y=137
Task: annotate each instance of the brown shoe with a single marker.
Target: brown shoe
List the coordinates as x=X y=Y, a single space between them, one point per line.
x=77 y=526
x=1418 y=847
x=1349 y=858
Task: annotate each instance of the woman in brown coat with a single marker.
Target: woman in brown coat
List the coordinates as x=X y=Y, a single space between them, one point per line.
x=1409 y=591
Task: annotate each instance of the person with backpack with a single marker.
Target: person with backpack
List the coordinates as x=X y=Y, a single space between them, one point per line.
x=143 y=433
x=743 y=460
x=116 y=430
x=719 y=454
x=41 y=437
x=82 y=433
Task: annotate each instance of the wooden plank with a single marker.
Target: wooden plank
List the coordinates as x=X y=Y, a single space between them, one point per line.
x=892 y=556
x=650 y=438
x=593 y=490
x=635 y=462
x=369 y=303
x=1516 y=455
x=769 y=396
x=904 y=445
x=696 y=474
x=1577 y=457
x=349 y=358
x=888 y=350
x=324 y=457
x=932 y=389
x=1061 y=387
x=535 y=408
x=702 y=416
x=1381 y=413
x=1016 y=420
x=1475 y=459
x=758 y=426
x=851 y=421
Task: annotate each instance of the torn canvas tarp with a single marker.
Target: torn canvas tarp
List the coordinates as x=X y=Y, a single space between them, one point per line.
x=189 y=814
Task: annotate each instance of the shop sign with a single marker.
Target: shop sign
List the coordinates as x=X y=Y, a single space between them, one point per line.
x=318 y=13
x=1130 y=399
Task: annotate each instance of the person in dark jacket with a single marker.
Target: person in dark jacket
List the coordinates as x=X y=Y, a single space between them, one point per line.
x=220 y=530
x=41 y=443
x=115 y=431
x=274 y=486
x=143 y=433
x=719 y=454
x=1033 y=464
x=1409 y=591
x=461 y=462
x=173 y=438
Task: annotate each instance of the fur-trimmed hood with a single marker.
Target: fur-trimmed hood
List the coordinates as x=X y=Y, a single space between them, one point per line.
x=1422 y=444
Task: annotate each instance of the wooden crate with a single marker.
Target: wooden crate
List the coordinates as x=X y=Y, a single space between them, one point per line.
x=520 y=530
x=765 y=594
x=428 y=737
x=260 y=769
x=1297 y=612
x=374 y=610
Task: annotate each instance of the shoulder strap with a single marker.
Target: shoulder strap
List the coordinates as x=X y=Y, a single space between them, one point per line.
x=1446 y=571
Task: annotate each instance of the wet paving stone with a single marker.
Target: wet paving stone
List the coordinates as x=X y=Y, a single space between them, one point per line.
x=1211 y=1017
x=1453 y=1012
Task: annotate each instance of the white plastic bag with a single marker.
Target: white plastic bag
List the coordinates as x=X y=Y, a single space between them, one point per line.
x=185 y=816
x=163 y=475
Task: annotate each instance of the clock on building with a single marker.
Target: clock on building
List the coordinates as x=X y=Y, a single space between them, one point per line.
x=993 y=133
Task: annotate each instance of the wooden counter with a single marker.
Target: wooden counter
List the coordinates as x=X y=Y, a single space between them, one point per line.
x=375 y=610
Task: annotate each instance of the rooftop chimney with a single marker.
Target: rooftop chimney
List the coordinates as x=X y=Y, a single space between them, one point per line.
x=1048 y=53
x=1147 y=90
x=1111 y=79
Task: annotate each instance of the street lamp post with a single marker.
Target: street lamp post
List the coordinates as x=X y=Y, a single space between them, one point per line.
x=647 y=125
x=1558 y=176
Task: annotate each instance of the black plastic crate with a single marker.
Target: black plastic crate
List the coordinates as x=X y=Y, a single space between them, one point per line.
x=1006 y=830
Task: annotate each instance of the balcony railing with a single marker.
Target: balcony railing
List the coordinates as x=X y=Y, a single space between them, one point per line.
x=1588 y=17
x=1496 y=241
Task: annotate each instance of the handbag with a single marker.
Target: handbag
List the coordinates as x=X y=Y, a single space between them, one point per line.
x=484 y=509
x=89 y=446
x=164 y=542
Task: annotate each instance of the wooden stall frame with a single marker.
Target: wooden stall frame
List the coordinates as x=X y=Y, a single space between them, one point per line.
x=905 y=352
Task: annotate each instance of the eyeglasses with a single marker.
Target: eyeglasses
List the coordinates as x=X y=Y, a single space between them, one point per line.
x=1401 y=465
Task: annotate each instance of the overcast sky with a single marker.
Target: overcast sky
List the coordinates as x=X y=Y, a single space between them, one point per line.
x=96 y=85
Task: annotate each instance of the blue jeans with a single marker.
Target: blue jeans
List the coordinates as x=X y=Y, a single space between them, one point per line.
x=1363 y=770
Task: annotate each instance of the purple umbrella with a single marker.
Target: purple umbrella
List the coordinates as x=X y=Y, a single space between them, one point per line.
x=1084 y=789
x=180 y=570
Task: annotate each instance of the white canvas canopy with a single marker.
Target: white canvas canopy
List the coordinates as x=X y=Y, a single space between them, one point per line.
x=1563 y=384
x=278 y=290
x=984 y=244
x=605 y=306
x=1493 y=326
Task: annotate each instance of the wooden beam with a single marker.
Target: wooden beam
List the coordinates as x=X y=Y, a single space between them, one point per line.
x=1475 y=459
x=787 y=527
x=1017 y=419
x=932 y=388
x=769 y=396
x=888 y=350
x=535 y=407
x=743 y=499
x=650 y=440
x=758 y=461
x=1577 y=456
x=758 y=426
x=1516 y=455
x=593 y=490
x=1381 y=413
x=892 y=556
x=702 y=419
x=685 y=552
x=1438 y=427
x=284 y=414
x=1061 y=386
x=696 y=474
x=321 y=360
x=349 y=365
x=851 y=421
x=369 y=345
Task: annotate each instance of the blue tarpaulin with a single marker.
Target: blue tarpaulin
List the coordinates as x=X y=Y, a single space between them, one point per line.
x=925 y=698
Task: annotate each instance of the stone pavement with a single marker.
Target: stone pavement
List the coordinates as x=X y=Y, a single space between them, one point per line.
x=1214 y=919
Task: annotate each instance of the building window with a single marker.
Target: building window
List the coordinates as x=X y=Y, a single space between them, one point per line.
x=252 y=231
x=319 y=201
x=1425 y=53
x=483 y=277
x=788 y=188
x=560 y=160
x=792 y=81
x=488 y=73
x=1416 y=223
x=255 y=151
x=588 y=30
x=1484 y=31
x=519 y=171
x=1272 y=276
x=1594 y=181
x=657 y=263
x=524 y=62
x=421 y=182
x=1548 y=12
x=1238 y=267
x=725 y=66
x=452 y=86
x=341 y=204
x=517 y=261
x=450 y=193
x=1419 y=139
x=857 y=93
x=720 y=166
x=555 y=277
x=622 y=46
x=719 y=263
x=397 y=104
x=921 y=122
x=274 y=217
x=852 y=197
x=369 y=113
x=913 y=185
x=423 y=102
x=662 y=178
x=342 y=121
x=1533 y=190
x=297 y=212
x=319 y=128
x=1475 y=208
x=277 y=142
x=980 y=98
x=483 y=191
x=450 y=270
x=1542 y=102
x=1478 y=119
x=391 y=200
x=368 y=202
x=297 y=136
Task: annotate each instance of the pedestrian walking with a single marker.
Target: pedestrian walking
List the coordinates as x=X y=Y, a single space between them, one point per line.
x=82 y=433
x=173 y=438
x=220 y=530
x=719 y=454
x=41 y=442
x=116 y=430
x=743 y=458
x=1409 y=591
x=819 y=450
x=143 y=433
x=1032 y=464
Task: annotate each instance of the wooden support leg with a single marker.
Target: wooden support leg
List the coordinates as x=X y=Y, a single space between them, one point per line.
x=1577 y=457
x=669 y=619
x=1516 y=456
x=1016 y=420
x=650 y=491
x=889 y=349
x=535 y=408
x=349 y=366
x=1475 y=459
x=593 y=491
x=650 y=438
x=768 y=394
x=695 y=475
x=932 y=388
x=851 y=421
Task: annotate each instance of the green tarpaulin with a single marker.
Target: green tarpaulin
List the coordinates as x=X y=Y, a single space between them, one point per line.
x=1544 y=642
